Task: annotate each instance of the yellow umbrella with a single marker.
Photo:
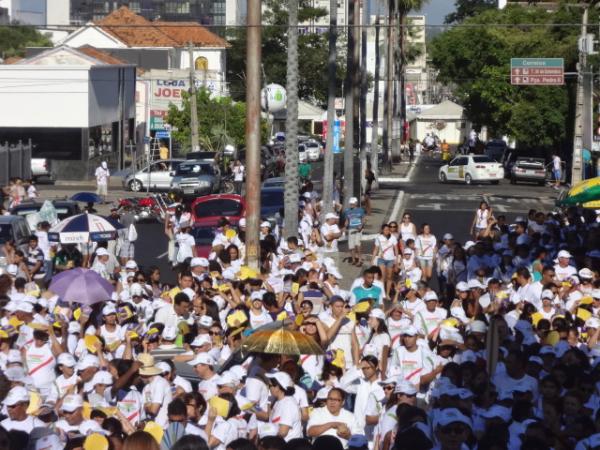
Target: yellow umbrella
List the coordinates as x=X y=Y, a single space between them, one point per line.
x=282 y=342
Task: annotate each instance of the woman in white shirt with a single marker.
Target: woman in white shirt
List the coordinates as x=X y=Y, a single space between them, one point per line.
x=408 y=230
x=385 y=252
x=480 y=221
x=379 y=340
x=285 y=414
x=426 y=246
x=186 y=244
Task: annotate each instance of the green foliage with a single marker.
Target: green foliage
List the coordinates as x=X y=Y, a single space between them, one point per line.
x=221 y=121
x=14 y=40
x=476 y=60
x=312 y=53
x=469 y=8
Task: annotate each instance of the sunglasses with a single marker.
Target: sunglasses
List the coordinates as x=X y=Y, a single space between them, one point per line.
x=453 y=429
x=388 y=388
x=214 y=333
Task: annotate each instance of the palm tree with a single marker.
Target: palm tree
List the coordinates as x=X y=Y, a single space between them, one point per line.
x=331 y=115
x=291 y=126
x=375 y=128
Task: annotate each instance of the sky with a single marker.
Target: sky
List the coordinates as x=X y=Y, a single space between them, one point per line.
x=436 y=10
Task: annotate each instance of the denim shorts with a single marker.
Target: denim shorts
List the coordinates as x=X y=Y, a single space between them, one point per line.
x=385 y=262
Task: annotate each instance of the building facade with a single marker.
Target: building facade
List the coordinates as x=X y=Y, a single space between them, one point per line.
x=76 y=105
x=205 y=12
x=35 y=12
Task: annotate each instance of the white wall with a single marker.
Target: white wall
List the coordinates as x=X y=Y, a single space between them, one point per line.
x=37 y=96
x=94 y=37
x=58 y=12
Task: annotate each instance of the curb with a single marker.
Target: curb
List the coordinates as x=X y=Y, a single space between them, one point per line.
x=392 y=180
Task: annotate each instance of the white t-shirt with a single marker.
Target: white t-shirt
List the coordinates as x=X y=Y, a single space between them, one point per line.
x=425 y=246
x=427 y=321
x=41 y=363
x=208 y=388
x=259 y=320
x=562 y=273
x=287 y=412
x=556 y=163
x=411 y=365
x=331 y=246
x=321 y=416
x=158 y=391
x=257 y=392
x=186 y=244
x=132 y=407
x=22 y=425
x=386 y=247
x=102 y=175
x=238 y=173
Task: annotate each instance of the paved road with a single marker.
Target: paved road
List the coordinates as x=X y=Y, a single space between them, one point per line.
x=450 y=207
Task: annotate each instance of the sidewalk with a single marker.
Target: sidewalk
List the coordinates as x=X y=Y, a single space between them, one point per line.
x=387 y=204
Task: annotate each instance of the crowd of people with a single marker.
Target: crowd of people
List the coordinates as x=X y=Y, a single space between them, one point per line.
x=488 y=344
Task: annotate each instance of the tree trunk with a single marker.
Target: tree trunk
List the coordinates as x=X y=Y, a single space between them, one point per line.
x=331 y=114
x=388 y=104
x=349 y=107
x=375 y=127
x=291 y=126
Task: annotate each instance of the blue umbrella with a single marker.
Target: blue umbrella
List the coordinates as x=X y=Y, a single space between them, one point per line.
x=86 y=197
x=81 y=229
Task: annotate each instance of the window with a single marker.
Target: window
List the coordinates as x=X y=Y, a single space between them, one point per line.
x=174 y=7
x=201 y=63
x=219 y=208
x=195 y=169
x=203 y=235
x=135 y=7
x=459 y=162
x=481 y=159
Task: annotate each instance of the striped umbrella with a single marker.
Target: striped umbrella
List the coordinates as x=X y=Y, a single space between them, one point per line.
x=81 y=229
x=585 y=193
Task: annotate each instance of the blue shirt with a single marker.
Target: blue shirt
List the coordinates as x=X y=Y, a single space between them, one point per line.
x=355 y=217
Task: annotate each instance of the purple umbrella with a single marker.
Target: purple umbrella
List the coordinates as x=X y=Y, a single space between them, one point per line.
x=81 y=286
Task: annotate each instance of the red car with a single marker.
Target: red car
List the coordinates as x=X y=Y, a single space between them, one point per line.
x=206 y=212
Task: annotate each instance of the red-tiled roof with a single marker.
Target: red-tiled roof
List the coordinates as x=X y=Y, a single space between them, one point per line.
x=100 y=55
x=135 y=31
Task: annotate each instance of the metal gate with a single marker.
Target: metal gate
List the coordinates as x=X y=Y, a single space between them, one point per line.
x=15 y=161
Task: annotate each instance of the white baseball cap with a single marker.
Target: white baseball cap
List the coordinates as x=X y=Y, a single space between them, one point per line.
x=199 y=262
x=169 y=333
x=200 y=340
x=447 y=237
x=66 y=359
x=136 y=290
x=430 y=295
x=109 y=309
x=131 y=264
x=16 y=395
x=331 y=216
x=282 y=378
x=242 y=222
x=102 y=377
x=586 y=273
x=190 y=293
x=265 y=224
x=24 y=307
x=202 y=358
x=72 y=402
x=409 y=331
x=564 y=254
x=227 y=379
x=405 y=387
x=462 y=286
x=377 y=313
x=353 y=201
x=206 y=321
x=453 y=415
x=469 y=244
x=548 y=294
x=101 y=251
x=163 y=366
x=88 y=361
x=474 y=283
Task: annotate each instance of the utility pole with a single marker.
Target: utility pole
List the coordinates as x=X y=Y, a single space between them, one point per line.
x=349 y=106
x=253 y=64
x=579 y=132
x=331 y=114
x=193 y=104
x=375 y=127
x=363 y=94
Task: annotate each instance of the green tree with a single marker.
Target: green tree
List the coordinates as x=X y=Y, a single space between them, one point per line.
x=14 y=40
x=468 y=8
x=221 y=121
x=312 y=53
x=475 y=59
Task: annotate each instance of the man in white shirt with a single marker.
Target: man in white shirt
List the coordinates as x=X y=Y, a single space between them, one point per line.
x=330 y=233
x=72 y=421
x=562 y=268
x=17 y=402
x=556 y=170
x=169 y=315
x=157 y=392
x=203 y=365
x=102 y=174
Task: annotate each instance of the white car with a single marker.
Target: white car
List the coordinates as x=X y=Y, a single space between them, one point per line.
x=302 y=153
x=470 y=168
x=313 y=148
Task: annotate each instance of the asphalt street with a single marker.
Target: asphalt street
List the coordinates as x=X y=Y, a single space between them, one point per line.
x=450 y=207
x=446 y=207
